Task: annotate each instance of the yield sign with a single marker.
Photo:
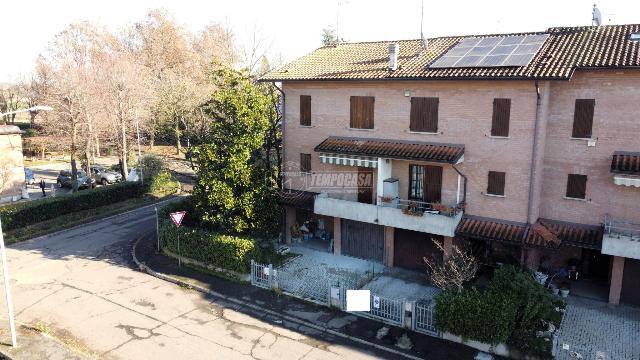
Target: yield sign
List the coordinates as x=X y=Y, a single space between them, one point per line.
x=177 y=217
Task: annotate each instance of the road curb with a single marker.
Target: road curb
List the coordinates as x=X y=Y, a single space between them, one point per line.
x=143 y=267
x=94 y=221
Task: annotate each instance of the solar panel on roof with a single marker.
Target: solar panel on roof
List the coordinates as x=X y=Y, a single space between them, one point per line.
x=493 y=51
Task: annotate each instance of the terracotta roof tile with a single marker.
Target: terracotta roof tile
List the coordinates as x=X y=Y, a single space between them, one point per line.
x=568 y=234
x=566 y=49
x=393 y=149
x=491 y=229
x=297 y=198
x=624 y=162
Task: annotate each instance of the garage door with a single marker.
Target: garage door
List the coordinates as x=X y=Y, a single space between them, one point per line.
x=410 y=247
x=630 y=289
x=362 y=240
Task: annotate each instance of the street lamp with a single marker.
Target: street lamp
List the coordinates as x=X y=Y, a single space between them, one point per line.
x=3 y=254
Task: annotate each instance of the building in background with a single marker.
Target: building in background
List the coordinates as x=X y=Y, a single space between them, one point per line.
x=11 y=163
x=524 y=146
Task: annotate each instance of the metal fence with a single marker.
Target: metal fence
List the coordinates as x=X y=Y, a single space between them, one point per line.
x=262 y=275
x=316 y=289
x=381 y=308
x=422 y=318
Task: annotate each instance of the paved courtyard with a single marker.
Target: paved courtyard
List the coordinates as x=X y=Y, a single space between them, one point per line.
x=309 y=275
x=592 y=329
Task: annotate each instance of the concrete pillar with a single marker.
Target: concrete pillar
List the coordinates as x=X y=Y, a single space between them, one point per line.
x=617 y=271
x=448 y=247
x=389 y=240
x=384 y=170
x=290 y=219
x=337 y=236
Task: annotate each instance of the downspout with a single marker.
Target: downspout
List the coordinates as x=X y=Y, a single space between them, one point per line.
x=464 y=192
x=534 y=151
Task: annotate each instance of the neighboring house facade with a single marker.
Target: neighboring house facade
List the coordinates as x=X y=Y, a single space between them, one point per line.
x=11 y=163
x=389 y=145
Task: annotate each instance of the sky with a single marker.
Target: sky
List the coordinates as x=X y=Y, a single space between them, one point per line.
x=293 y=28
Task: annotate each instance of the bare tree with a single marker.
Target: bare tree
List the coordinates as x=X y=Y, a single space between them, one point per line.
x=10 y=100
x=454 y=271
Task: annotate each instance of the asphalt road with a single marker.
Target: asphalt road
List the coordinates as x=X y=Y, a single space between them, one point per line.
x=81 y=284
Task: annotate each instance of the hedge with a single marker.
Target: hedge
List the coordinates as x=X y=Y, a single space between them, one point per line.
x=18 y=215
x=514 y=309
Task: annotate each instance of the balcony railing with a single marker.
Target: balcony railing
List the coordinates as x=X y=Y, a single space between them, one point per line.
x=613 y=226
x=405 y=214
x=418 y=208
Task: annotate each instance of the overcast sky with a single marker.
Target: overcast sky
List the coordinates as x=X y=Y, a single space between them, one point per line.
x=293 y=27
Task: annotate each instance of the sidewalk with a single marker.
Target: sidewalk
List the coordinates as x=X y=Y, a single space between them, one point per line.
x=359 y=328
x=34 y=344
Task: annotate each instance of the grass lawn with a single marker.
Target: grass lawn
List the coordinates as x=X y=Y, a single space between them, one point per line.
x=77 y=218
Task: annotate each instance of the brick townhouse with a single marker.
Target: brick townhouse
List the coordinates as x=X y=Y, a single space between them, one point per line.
x=524 y=146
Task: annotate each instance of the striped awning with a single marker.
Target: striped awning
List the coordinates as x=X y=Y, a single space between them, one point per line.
x=349 y=160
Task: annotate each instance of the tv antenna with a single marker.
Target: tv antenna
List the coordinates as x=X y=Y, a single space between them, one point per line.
x=340 y=2
x=422 y=39
x=596 y=16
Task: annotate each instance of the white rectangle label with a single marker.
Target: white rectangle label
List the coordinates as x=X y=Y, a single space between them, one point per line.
x=358 y=300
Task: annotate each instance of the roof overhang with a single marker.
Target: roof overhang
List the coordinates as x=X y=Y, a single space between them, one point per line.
x=392 y=149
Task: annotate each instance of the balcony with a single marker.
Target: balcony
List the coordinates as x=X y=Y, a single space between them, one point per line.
x=621 y=238
x=436 y=219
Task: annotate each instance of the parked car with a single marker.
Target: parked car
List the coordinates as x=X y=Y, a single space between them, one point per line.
x=28 y=177
x=65 y=180
x=104 y=176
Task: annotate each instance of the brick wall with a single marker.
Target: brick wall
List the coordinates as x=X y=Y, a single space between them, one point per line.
x=616 y=125
x=465 y=112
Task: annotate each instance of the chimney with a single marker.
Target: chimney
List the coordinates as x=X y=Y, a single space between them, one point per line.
x=394 y=48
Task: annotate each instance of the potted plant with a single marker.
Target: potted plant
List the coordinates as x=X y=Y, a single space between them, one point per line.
x=564 y=289
x=412 y=209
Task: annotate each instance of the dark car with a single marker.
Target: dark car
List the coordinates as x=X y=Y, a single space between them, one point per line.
x=84 y=181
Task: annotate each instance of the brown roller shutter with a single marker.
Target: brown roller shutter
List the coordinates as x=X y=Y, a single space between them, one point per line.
x=305 y=110
x=495 y=183
x=583 y=118
x=305 y=163
x=501 y=114
x=362 y=112
x=432 y=184
x=576 y=186
x=424 y=114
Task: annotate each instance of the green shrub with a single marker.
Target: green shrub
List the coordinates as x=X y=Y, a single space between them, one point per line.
x=514 y=309
x=151 y=165
x=163 y=184
x=223 y=251
x=27 y=213
x=472 y=314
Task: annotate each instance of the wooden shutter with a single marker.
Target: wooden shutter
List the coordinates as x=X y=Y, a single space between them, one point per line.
x=424 y=114
x=576 y=186
x=495 y=183
x=583 y=118
x=362 y=112
x=501 y=114
x=305 y=110
x=305 y=162
x=432 y=184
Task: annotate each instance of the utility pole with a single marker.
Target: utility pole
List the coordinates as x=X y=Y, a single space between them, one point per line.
x=7 y=290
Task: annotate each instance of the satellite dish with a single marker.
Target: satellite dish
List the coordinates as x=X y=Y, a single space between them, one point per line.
x=596 y=18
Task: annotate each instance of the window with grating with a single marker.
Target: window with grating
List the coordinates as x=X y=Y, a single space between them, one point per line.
x=424 y=114
x=305 y=110
x=305 y=163
x=362 y=112
x=583 y=118
x=500 y=119
x=495 y=183
x=576 y=186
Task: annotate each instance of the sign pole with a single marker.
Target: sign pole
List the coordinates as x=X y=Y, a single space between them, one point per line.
x=157 y=229
x=7 y=291
x=179 y=262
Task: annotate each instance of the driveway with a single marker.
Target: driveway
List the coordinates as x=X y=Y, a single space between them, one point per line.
x=80 y=284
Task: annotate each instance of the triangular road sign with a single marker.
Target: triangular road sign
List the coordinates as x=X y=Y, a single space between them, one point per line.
x=177 y=217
